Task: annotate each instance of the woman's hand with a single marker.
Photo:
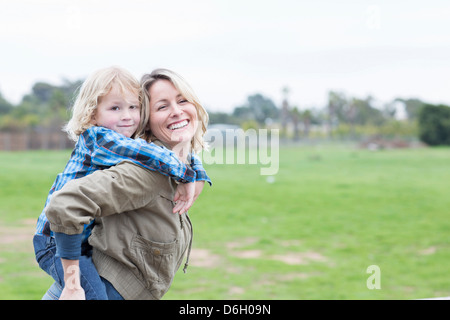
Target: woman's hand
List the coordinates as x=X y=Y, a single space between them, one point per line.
x=184 y=197
x=186 y=194
x=198 y=188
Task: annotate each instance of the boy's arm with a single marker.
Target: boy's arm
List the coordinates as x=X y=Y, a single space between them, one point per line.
x=110 y=148
x=72 y=284
x=197 y=166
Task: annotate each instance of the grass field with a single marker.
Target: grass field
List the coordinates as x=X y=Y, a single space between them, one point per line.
x=309 y=233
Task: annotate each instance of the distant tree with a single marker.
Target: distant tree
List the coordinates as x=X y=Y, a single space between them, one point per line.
x=285 y=110
x=307 y=118
x=365 y=113
x=296 y=115
x=353 y=111
x=243 y=113
x=43 y=91
x=5 y=106
x=221 y=117
x=44 y=95
x=337 y=107
x=434 y=124
x=257 y=108
x=58 y=104
x=412 y=107
x=14 y=124
x=336 y=111
x=70 y=90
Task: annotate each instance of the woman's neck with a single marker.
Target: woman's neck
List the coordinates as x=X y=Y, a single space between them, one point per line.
x=182 y=151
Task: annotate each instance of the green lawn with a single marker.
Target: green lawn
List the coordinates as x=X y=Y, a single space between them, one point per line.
x=330 y=213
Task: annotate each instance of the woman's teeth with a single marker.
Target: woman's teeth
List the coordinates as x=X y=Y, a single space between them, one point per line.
x=178 y=125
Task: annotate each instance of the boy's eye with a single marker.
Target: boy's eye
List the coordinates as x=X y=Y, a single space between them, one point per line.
x=134 y=107
x=115 y=108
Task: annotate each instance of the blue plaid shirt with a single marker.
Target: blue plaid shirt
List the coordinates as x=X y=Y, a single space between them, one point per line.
x=100 y=148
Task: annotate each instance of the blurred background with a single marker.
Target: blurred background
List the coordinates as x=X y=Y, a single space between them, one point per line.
x=315 y=70
x=360 y=94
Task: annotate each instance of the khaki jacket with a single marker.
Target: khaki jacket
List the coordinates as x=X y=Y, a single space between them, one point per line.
x=138 y=250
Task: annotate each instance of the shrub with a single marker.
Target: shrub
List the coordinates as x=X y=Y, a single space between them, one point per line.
x=434 y=124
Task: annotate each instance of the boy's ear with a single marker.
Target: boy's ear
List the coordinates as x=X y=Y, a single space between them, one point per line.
x=93 y=121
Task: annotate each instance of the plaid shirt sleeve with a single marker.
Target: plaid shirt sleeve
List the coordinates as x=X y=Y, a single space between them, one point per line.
x=110 y=148
x=197 y=166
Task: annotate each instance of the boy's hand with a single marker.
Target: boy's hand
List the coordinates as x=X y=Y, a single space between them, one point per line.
x=72 y=287
x=72 y=294
x=184 y=197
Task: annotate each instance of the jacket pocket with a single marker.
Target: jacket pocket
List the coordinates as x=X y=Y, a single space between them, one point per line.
x=168 y=198
x=156 y=262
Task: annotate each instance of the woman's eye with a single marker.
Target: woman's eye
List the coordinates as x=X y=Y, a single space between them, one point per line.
x=161 y=107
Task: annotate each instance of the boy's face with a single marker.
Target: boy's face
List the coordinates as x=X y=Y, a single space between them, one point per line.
x=118 y=111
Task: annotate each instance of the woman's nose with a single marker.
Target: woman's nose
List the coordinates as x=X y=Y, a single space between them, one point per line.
x=176 y=110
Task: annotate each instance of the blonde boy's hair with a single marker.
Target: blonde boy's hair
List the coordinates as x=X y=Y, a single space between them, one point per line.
x=197 y=143
x=96 y=86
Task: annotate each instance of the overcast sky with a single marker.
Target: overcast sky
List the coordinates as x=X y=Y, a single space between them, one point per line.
x=229 y=49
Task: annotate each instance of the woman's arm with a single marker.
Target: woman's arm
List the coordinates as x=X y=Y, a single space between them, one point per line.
x=121 y=188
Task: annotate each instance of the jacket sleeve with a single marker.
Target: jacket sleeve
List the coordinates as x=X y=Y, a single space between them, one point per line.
x=122 y=188
x=197 y=166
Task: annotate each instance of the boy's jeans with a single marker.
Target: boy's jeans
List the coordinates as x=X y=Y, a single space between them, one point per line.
x=95 y=287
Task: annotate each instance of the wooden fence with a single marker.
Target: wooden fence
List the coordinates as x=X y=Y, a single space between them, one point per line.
x=34 y=140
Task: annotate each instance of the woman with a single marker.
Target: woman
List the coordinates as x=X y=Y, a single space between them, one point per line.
x=138 y=251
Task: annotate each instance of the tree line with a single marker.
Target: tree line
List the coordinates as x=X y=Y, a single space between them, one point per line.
x=345 y=117
x=47 y=106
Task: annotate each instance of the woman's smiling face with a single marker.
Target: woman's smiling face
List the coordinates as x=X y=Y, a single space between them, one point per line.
x=173 y=119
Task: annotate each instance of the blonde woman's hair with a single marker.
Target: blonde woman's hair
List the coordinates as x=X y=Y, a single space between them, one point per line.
x=96 y=86
x=197 y=143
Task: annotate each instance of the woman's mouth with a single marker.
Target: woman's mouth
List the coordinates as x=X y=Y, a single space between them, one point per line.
x=178 y=125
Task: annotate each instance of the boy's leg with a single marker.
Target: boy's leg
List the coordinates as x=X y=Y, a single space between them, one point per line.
x=112 y=293
x=53 y=293
x=45 y=250
x=93 y=286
